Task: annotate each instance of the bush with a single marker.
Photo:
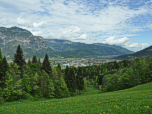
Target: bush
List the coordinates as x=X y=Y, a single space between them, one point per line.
x=25 y=95
x=88 y=82
x=1 y=100
x=92 y=82
x=96 y=85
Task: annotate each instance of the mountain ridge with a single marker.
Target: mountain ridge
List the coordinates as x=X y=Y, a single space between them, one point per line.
x=31 y=45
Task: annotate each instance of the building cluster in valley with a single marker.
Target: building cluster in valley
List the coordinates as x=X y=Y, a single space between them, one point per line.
x=81 y=62
x=76 y=63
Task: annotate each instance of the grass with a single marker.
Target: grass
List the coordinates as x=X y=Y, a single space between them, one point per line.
x=136 y=100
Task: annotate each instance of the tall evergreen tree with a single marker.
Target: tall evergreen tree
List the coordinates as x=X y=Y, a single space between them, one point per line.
x=26 y=83
x=81 y=87
x=45 y=85
x=62 y=84
x=8 y=90
x=71 y=82
x=18 y=58
x=29 y=62
x=56 y=82
x=1 y=56
x=39 y=61
x=34 y=60
x=24 y=62
x=15 y=73
x=1 y=69
x=59 y=66
x=46 y=66
x=5 y=68
x=30 y=71
x=66 y=74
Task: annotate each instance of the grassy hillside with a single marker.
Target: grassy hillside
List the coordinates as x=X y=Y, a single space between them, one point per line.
x=136 y=100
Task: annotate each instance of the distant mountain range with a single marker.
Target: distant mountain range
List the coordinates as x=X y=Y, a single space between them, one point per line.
x=142 y=54
x=37 y=45
x=66 y=45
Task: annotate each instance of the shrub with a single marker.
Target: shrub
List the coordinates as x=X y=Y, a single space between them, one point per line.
x=1 y=100
x=92 y=82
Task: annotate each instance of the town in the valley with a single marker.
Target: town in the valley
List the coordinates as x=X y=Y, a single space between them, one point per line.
x=77 y=62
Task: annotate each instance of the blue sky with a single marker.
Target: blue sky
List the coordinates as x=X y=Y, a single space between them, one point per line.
x=127 y=23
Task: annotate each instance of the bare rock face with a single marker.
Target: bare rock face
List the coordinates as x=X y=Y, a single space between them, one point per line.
x=21 y=36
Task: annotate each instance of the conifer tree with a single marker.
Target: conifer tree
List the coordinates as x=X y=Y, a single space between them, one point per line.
x=18 y=58
x=3 y=71
x=29 y=62
x=59 y=66
x=26 y=83
x=56 y=82
x=62 y=84
x=39 y=61
x=34 y=80
x=71 y=82
x=85 y=84
x=24 y=62
x=45 y=84
x=46 y=66
x=1 y=56
x=81 y=86
x=34 y=60
x=31 y=71
x=15 y=73
x=8 y=90
x=17 y=90
x=79 y=79
x=66 y=74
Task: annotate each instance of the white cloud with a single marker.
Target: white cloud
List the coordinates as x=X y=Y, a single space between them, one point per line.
x=38 y=24
x=79 y=20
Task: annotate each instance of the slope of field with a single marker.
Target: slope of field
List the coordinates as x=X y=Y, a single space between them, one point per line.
x=136 y=100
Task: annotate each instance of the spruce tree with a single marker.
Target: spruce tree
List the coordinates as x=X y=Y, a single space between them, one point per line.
x=71 y=82
x=29 y=62
x=26 y=83
x=18 y=58
x=34 y=60
x=3 y=71
x=1 y=56
x=66 y=74
x=8 y=90
x=81 y=87
x=59 y=66
x=24 y=62
x=46 y=66
x=15 y=73
x=45 y=84
x=62 y=84
x=17 y=90
x=30 y=71
x=56 y=82
x=39 y=61
x=78 y=82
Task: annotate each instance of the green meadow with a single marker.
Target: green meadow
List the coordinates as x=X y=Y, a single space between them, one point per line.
x=136 y=100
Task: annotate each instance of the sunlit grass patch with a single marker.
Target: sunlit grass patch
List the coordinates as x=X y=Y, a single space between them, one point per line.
x=136 y=100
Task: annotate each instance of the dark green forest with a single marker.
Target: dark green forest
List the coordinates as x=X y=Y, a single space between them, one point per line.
x=21 y=79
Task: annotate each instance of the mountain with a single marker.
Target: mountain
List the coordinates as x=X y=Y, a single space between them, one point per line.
x=11 y=37
x=66 y=45
x=142 y=54
x=21 y=36
x=116 y=47
x=31 y=45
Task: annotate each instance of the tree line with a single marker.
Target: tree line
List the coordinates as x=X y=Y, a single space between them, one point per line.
x=21 y=79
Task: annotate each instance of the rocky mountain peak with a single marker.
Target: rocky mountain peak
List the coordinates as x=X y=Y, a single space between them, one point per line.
x=21 y=36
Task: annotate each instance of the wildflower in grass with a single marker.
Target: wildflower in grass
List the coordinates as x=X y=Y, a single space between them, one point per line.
x=147 y=106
